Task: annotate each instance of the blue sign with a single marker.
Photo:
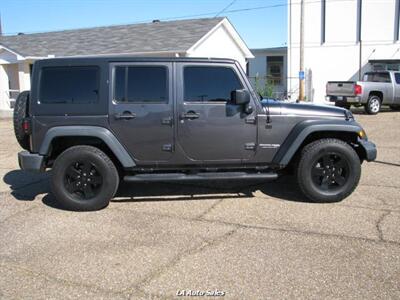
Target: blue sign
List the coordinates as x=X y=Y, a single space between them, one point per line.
x=301 y=75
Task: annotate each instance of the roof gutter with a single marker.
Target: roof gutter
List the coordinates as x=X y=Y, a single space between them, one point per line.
x=144 y=53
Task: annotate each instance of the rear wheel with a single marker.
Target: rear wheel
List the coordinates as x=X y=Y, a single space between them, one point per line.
x=20 y=113
x=84 y=178
x=328 y=171
x=373 y=105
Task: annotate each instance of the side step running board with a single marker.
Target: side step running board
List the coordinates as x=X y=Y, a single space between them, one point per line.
x=200 y=176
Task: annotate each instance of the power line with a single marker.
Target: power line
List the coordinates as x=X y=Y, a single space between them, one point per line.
x=195 y=15
x=172 y=18
x=225 y=8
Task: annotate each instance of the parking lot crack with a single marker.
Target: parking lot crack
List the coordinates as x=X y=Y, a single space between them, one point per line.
x=189 y=252
x=208 y=210
x=267 y=228
x=30 y=273
x=379 y=225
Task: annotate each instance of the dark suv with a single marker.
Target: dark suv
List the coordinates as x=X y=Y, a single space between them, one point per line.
x=96 y=121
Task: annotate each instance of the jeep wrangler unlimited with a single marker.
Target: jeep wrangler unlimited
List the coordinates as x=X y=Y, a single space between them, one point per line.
x=96 y=121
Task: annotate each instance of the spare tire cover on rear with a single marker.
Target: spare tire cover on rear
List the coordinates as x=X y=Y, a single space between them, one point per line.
x=20 y=113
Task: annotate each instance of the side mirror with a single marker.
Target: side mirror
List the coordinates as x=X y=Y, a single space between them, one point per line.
x=240 y=97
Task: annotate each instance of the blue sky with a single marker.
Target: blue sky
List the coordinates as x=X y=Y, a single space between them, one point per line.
x=262 y=27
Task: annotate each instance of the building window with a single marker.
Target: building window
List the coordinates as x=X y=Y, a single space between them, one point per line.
x=274 y=69
x=323 y=20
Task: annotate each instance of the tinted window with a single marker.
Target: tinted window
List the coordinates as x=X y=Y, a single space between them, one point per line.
x=120 y=84
x=69 y=85
x=141 y=84
x=397 y=77
x=209 y=84
x=377 y=77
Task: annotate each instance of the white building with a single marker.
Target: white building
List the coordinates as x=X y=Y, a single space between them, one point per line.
x=270 y=65
x=342 y=39
x=212 y=37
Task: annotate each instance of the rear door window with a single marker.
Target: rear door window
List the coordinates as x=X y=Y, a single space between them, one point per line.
x=72 y=85
x=397 y=77
x=141 y=84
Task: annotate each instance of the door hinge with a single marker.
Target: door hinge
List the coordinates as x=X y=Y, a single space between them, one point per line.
x=167 y=147
x=250 y=146
x=250 y=120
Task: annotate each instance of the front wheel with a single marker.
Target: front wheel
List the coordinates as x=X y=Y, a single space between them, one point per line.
x=84 y=178
x=328 y=171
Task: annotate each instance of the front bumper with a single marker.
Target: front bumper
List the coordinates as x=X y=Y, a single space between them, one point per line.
x=369 y=149
x=31 y=161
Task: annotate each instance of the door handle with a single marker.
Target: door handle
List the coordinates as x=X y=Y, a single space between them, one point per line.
x=126 y=115
x=190 y=115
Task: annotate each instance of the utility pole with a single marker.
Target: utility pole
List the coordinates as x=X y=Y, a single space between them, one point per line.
x=359 y=37
x=301 y=72
x=1 y=30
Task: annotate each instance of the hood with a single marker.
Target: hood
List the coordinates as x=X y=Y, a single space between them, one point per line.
x=312 y=110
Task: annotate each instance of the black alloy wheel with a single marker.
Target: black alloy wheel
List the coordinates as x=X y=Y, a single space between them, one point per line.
x=84 y=178
x=330 y=171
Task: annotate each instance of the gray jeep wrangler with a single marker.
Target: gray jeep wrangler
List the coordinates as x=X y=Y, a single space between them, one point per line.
x=96 y=121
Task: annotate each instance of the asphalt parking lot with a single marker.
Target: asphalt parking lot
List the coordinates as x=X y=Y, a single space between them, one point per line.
x=246 y=239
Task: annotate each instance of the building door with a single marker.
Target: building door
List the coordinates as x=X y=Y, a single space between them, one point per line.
x=275 y=75
x=141 y=112
x=210 y=127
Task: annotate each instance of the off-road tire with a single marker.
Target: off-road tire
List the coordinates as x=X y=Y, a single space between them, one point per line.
x=310 y=155
x=21 y=109
x=373 y=105
x=101 y=164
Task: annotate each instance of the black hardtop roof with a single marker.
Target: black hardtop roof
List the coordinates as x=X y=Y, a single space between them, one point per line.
x=116 y=59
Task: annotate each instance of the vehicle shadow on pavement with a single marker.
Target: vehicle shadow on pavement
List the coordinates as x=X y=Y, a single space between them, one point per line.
x=26 y=186
x=361 y=111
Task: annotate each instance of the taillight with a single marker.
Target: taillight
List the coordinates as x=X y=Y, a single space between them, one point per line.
x=26 y=126
x=358 y=89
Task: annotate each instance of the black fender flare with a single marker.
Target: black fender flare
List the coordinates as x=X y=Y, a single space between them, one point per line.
x=92 y=131
x=302 y=130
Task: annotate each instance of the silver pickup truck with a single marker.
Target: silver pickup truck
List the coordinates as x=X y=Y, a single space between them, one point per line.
x=376 y=89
